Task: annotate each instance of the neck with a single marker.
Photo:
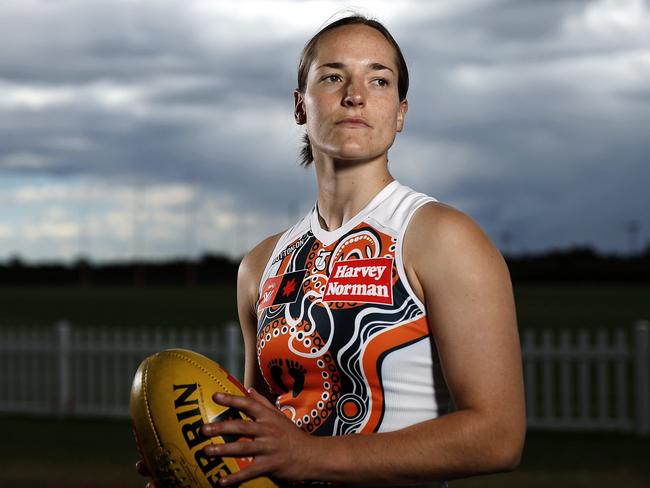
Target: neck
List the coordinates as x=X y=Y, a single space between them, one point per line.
x=346 y=187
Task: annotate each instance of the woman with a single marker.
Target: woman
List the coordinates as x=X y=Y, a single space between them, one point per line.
x=383 y=312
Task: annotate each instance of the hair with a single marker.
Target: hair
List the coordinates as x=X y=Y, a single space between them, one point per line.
x=309 y=52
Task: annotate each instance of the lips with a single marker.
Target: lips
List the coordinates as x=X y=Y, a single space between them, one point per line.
x=353 y=122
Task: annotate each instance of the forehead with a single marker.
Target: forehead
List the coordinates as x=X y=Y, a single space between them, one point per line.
x=355 y=42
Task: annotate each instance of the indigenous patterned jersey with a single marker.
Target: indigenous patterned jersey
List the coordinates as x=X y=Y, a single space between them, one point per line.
x=342 y=339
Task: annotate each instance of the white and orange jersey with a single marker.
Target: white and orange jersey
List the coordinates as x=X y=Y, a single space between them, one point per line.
x=342 y=339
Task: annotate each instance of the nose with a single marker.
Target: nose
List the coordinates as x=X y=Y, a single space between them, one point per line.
x=354 y=95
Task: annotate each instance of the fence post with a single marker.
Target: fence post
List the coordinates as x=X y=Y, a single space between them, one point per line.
x=233 y=350
x=63 y=332
x=642 y=376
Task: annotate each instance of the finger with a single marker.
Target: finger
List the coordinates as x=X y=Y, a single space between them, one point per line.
x=250 y=472
x=233 y=449
x=246 y=428
x=151 y=484
x=260 y=398
x=249 y=406
x=142 y=469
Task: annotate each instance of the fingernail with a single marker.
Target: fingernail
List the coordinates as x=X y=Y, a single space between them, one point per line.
x=211 y=450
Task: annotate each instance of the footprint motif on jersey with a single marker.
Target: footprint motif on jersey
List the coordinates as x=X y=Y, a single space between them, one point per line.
x=275 y=367
x=298 y=373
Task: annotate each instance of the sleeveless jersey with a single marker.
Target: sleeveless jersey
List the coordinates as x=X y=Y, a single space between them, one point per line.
x=342 y=339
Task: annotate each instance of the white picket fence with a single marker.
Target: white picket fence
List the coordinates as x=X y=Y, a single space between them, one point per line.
x=87 y=371
x=590 y=381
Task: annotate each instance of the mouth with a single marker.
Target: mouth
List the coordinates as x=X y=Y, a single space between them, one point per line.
x=353 y=122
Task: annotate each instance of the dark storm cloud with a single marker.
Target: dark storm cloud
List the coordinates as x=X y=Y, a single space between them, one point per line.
x=518 y=21
x=137 y=47
x=84 y=41
x=129 y=42
x=155 y=150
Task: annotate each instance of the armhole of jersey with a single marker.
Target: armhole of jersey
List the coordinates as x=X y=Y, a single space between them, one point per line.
x=399 y=259
x=267 y=266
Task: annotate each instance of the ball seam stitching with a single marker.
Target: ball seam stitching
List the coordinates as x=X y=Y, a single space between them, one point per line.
x=196 y=364
x=146 y=404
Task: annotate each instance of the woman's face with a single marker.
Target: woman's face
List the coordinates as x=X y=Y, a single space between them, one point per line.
x=351 y=103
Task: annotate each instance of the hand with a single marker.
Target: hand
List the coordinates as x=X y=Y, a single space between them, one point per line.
x=142 y=469
x=281 y=450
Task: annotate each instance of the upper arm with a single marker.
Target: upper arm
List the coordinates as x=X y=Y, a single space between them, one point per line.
x=465 y=285
x=249 y=275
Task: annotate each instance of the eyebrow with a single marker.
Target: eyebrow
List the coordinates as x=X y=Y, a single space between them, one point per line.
x=373 y=66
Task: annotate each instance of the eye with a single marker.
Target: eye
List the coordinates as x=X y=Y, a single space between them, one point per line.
x=331 y=78
x=381 y=82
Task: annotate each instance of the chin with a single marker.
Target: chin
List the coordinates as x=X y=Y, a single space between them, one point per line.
x=354 y=153
x=351 y=152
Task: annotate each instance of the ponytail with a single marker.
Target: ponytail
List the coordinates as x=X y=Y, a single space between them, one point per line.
x=306 y=156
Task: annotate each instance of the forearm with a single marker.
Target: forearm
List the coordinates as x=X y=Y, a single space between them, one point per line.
x=463 y=443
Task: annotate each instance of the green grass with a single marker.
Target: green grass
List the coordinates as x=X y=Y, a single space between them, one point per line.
x=574 y=461
x=538 y=305
x=52 y=453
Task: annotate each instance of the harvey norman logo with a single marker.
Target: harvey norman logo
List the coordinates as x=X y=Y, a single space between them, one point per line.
x=361 y=280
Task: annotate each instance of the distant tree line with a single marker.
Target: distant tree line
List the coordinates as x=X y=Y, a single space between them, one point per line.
x=209 y=269
x=579 y=264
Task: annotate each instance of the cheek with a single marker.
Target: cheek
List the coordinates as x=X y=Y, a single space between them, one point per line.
x=313 y=110
x=389 y=122
x=389 y=116
x=317 y=115
x=313 y=121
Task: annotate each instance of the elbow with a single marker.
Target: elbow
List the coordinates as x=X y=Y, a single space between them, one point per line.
x=509 y=460
x=508 y=452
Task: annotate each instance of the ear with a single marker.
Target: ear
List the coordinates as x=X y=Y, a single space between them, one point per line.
x=401 y=114
x=299 y=113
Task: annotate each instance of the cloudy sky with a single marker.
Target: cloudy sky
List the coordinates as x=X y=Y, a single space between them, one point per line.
x=164 y=127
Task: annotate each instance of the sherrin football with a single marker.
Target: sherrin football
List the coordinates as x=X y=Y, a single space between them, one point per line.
x=171 y=398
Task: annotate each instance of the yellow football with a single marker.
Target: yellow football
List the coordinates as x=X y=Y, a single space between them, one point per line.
x=171 y=398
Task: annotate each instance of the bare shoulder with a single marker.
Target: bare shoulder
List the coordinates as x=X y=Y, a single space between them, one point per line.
x=439 y=232
x=443 y=246
x=253 y=264
x=443 y=227
x=251 y=269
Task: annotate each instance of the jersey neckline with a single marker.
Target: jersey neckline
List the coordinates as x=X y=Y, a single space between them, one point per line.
x=328 y=237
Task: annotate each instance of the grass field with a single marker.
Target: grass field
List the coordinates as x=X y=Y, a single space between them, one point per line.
x=51 y=453
x=538 y=305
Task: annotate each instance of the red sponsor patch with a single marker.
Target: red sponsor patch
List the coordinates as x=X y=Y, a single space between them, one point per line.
x=281 y=289
x=361 y=280
x=269 y=291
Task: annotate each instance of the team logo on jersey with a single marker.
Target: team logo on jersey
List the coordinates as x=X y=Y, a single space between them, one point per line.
x=361 y=280
x=281 y=289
